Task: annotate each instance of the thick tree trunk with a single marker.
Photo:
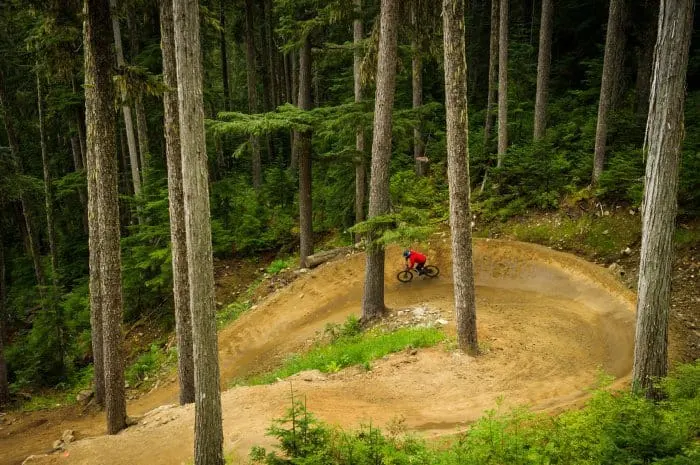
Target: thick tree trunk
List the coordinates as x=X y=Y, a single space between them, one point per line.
x=645 y=56
x=126 y=110
x=612 y=67
x=544 y=60
x=417 y=87
x=373 y=298
x=4 y=386
x=493 y=75
x=224 y=55
x=458 y=172
x=102 y=156
x=178 y=237
x=295 y=77
x=268 y=50
x=502 y=82
x=303 y=148
x=287 y=78
x=360 y=165
x=252 y=90
x=664 y=136
x=208 y=441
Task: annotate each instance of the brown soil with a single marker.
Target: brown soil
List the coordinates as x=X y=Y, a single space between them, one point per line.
x=548 y=322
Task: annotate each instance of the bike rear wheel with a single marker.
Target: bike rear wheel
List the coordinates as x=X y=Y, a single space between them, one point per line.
x=405 y=276
x=431 y=271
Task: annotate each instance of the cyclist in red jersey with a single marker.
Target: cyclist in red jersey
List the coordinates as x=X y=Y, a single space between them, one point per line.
x=416 y=259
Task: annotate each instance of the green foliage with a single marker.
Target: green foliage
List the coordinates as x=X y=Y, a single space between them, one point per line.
x=278 y=265
x=613 y=428
x=353 y=349
x=150 y=363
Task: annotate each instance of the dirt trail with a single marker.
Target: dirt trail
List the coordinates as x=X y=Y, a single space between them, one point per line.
x=550 y=323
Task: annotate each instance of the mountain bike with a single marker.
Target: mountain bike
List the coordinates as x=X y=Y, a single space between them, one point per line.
x=430 y=271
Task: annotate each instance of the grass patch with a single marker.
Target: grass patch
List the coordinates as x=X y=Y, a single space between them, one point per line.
x=686 y=237
x=149 y=364
x=278 y=265
x=62 y=395
x=358 y=349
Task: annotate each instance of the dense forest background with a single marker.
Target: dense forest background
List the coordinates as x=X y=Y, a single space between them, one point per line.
x=251 y=56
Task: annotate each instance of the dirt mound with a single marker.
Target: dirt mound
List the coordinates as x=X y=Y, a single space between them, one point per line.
x=548 y=323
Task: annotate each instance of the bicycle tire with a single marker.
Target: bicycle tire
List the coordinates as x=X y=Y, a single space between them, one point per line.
x=431 y=271
x=405 y=276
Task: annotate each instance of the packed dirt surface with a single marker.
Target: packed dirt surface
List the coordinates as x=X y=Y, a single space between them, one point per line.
x=549 y=324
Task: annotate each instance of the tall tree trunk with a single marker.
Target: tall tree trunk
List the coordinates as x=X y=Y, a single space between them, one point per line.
x=664 y=136
x=252 y=90
x=224 y=55
x=208 y=441
x=417 y=86
x=303 y=143
x=458 y=172
x=178 y=237
x=295 y=77
x=287 y=78
x=268 y=47
x=373 y=298
x=645 y=56
x=102 y=156
x=31 y=243
x=48 y=200
x=360 y=165
x=544 y=60
x=142 y=130
x=612 y=67
x=126 y=110
x=4 y=386
x=502 y=82
x=493 y=75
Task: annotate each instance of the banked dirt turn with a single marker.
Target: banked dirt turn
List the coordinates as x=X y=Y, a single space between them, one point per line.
x=548 y=322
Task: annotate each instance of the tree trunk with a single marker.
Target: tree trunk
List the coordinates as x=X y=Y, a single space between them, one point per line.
x=502 y=82
x=664 y=136
x=224 y=55
x=493 y=75
x=102 y=156
x=303 y=143
x=252 y=90
x=458 y=173
x=31 y=243
x=295 y=78
x=612 y=68
x=287 y=78
x=178 y=237
x=544 y=60
x=645 y=57
x=268 y=44
x=373 y=298
x=417 y=87
x=208 y=440
x=4 y=386
x=126 y=110
x=360 y=168
x=142 y=130
x=48 y=200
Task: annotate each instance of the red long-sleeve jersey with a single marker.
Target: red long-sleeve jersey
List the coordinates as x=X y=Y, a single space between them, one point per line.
x=415 y=257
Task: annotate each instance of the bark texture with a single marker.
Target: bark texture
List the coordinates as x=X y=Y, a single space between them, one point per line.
x=664 y=136
x=176 y=205
x=360 y=165
x=458 y=172
x=417 y=86
x=502 y=81
x=142 y=131
x=126 y=109
x=373 y=298
x=645 y=56
x=102 y=158
x=612 y=67
x=208 y=440
x=224 y=54
x=544 y=59
x=303 y=143
x=493 y=74
x=4 y=386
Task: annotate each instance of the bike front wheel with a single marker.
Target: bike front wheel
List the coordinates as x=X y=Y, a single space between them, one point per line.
x=431 y=271
x=405 y=276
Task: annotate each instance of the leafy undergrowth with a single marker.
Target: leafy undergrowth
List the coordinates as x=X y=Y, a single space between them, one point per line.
x=613 y=428
x=350 y=346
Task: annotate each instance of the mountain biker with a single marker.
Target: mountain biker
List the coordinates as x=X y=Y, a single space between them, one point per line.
x=414 y=258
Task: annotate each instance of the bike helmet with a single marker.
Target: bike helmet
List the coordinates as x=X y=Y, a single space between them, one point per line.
x=406 y=253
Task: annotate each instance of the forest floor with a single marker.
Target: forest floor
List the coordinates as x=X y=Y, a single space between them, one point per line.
x=550 y=325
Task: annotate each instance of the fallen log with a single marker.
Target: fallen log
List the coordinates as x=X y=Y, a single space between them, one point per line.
x=312 y=261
